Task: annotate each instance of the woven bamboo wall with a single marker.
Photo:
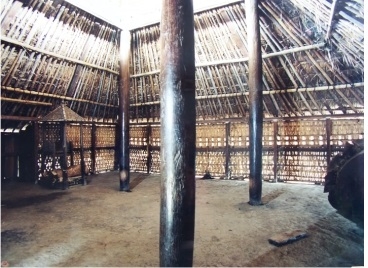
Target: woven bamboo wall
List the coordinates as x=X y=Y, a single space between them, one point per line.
x=98 y=146
x=296 y=150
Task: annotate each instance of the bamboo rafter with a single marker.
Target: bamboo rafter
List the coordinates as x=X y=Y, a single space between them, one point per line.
x=55 y=55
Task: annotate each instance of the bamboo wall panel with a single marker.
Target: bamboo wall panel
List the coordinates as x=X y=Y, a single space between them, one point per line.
x=346 y=130
x=303 y=134
x=239 y=164
x=138 y=160
x=73 y=134
x=88 y=160
x=105 y=160
x=213 y=162
x=239 y=135
x=87 y=136
x=301 y=148
x=155 y=164
x=105 y=136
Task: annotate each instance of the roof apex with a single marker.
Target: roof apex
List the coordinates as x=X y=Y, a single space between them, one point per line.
x=62 y=113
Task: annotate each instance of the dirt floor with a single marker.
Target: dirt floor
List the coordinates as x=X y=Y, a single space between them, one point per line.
x=96 y=225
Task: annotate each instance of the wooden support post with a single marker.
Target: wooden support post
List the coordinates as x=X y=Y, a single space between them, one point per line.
x=64 y=160
x=178 y=118
x=275 y=150
x=227 y=151
x=35 y=150
x=124 y=86
x=93 y=149
x=255 y=103
x=71 y=149
x=43 y=155
x=328 y=138
x=82 y=163
x=149 y=148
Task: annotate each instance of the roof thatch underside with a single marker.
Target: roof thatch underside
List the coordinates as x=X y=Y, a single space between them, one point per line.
x=313 y=61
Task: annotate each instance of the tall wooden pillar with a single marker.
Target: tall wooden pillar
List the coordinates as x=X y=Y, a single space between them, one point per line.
x=36 y=130
x=328 y=138
x=124 y=86
x=275 y=150
x=177 y=133
x=82 y=162
x=255 y=103
x=93 y=148
x=149 y=148
x=227 y=151
x=64 y=158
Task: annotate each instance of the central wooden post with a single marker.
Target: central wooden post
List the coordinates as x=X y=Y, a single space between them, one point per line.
x=255 y=103
x=124 y=169
x=177 y=134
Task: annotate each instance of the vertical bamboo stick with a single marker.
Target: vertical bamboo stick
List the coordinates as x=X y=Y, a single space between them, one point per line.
x=177 y=134
x=255 y=109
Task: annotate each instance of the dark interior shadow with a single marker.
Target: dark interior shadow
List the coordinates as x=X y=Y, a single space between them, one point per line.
x=137 y=180
x=32 y=200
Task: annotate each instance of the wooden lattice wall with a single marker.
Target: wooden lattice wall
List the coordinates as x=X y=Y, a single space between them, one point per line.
x=301 y=151
x=99 y=151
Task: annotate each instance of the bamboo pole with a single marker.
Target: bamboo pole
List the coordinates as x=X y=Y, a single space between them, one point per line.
x=269 y=92
x=331 y=20
x=177 y=214
x=24 y=91
x=55 y=55
x=255 y=102
x=28 y=102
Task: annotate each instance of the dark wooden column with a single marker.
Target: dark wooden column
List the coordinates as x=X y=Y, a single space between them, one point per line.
x=124 y=86
x=255 y=103
x=227 y=151
x=275 y=149
x=64 y=157
x=328 y=138
x=149 y=148
x=36 y=150
x=82 y=162
x=93 y=149
x=177 y=133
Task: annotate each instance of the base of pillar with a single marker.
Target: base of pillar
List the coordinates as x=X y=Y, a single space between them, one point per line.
x=255 y=203
x=126 y=190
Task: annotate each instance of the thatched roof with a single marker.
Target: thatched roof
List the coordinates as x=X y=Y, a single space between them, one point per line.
x=313 y=61
x=62 y=113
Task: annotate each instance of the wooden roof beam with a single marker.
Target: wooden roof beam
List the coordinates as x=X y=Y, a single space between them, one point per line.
x=331 y=20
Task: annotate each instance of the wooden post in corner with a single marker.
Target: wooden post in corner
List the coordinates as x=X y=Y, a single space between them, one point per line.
x=255 y=103
x=123 y=124
x=178 y=141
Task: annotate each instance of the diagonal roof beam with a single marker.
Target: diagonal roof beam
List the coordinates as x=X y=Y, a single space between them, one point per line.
x=331 y=20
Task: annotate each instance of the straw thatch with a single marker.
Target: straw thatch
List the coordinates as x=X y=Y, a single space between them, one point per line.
x=62 y=113
x=313 y=61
